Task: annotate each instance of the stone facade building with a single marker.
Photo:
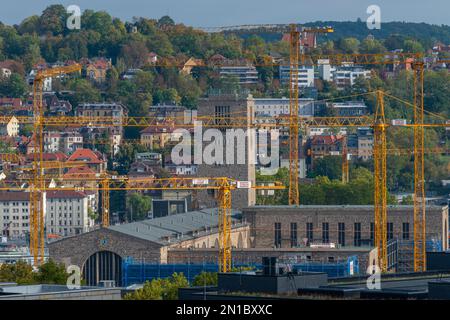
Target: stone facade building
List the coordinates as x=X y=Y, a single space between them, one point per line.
x=221 y=107
x=147 y=241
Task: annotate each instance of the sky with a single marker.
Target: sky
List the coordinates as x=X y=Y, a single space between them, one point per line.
x=215 y=13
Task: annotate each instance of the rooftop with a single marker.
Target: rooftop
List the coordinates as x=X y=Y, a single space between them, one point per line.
x=174 y=228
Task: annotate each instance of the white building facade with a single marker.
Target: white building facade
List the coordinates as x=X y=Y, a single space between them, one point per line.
x=68 y=213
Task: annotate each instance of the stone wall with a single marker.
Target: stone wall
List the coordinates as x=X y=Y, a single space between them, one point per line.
x=76 y=250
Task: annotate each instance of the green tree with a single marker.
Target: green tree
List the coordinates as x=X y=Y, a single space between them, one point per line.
x=134 y=54
x=165 y=21
x=349 y=45
x=329 y=166
x=413 y=46
x=13 y=86
x=51 y=273
x=84 y=92
x=160 y=289
x=53 y=19
x=138 y=206
x=20 y=273
x=408 y=200
x=205 y=279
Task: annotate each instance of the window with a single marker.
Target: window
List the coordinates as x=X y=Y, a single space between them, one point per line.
x=277 y=234
x=325 y=232
x=372 y=233
x=341 y=234
x=390 y=231
x=222 y=114
x=309 y=231
x=357 y=235
x=293 y=234
x=405 y=231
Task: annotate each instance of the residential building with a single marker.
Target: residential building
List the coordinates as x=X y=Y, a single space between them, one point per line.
x=178 y=114
x=93 y=159
x=10 y=105
x=68 y=213
x=66 y=142
x=311 y=131
x=96 y=69
x=346 y=76
x=190 y=64
x=365 y=143
x=115 y=111
x=281 y=106
x=245 y=75
x=157 y=137
x=130 y=74
x=349 y=109
x=182 y=169
x=55 y=106
x=324 y=145
x=152 y=58
x=10 y=129
x=305 y=75
x=325 y=70
x=14 y=214
x=47 y=83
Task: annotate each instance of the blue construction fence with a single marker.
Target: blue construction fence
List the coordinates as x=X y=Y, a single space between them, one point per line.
x=434 y=245
x=138 y=273
x=333 y=270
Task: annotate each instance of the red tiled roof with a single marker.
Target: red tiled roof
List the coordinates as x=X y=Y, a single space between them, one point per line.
x=13 y=102
x=77 y=171
x=325 y=139
x=85 y=155
x=57 y=156
x=164 y=127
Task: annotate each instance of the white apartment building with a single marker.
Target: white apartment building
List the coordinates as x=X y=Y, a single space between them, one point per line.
x=66 y=142
x=325 y=70
x=14 y=214
x=305 y=75
x=318 y=131
x=280 y=106
x=244 y=74
x=68 y=213
x=346 y=76
x=10 y=129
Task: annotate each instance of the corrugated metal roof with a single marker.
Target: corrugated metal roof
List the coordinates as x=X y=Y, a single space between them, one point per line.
x=175 y=228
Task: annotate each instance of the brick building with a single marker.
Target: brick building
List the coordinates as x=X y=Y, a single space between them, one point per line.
x=345 y=226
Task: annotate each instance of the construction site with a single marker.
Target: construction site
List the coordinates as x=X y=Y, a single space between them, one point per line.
x=311 y=250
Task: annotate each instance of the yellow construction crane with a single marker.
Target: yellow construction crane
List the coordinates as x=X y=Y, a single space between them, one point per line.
x=37 y=222
x=224 y=187
x=345 y=169
x=295 y=121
